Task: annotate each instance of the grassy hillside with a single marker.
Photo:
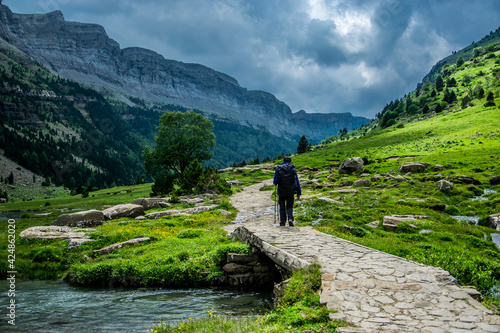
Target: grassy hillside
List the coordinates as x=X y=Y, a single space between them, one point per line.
x=461 y=143
x=78 y=138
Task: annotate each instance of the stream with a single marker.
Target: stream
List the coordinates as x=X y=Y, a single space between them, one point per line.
x=55 y=306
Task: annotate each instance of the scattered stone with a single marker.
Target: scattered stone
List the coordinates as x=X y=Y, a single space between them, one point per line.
x=381 y=186
x=125 y=210
x=149 y=203
x=362 y=183
x=330 y=200
x=472 y=291
x=111 y=248
x=422 y=232
x=85 y=219
x=224 y=212
x=77 y=242
x=364 y=175
x=495 y=180
x=53 y=232
x=444 y=185
x=392 y=186
x=194 y=210
x=346 y=183
x=345 y=191
x=351 y=165
x=140 y=218
x=468 y=181
x=438 y=167
x=413 y=167
x=373 y=224
x=494 y=221
x=391 y=222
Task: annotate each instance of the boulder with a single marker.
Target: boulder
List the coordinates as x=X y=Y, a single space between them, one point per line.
x=468 y=181
x=149 y=203
x=52 y=232
x=438 y=167
x=111 y=248
x=350 y=165
x=85 y=219
x=362 y=183
x=126 y=210
x=330 y=200
x=373 y=224
x=346 y=183
x=413 y=167
x=444 y=185
x=391 y=222
x=495 y=180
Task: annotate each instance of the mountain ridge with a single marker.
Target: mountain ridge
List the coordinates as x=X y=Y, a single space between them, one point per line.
x=84 y=53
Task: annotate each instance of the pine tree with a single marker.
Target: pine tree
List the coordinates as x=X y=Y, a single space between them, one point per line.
x=303 y=146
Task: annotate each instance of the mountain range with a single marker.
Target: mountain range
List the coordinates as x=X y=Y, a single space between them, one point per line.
x=84 y=53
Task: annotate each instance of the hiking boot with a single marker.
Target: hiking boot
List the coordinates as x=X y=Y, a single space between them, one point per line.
x=290 y=223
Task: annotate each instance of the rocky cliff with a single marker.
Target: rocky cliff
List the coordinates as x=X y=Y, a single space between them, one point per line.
x=84 y=53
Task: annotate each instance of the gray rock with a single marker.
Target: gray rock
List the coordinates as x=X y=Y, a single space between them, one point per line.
x=413 y=167
x=444 y=185
x=52 y=232
x=85 y=219
x=438 y=167
x=495 y=180
x=111 y=248
x=468 y=181
x=149 y=203
x=346 y=183
x=126 y=210
x=350 y=165
x=494 y=221
x=362 y=183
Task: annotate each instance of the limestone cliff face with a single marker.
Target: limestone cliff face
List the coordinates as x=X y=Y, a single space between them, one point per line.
x=84 y=53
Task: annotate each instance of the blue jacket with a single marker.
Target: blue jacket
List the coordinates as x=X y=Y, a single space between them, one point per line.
x=275 y=182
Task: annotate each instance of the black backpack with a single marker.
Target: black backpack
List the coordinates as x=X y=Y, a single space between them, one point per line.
x=286 y=180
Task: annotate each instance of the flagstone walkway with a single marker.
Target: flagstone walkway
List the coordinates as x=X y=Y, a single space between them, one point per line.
x=374 y=291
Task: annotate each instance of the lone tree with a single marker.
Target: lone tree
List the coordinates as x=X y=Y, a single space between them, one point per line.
x=182 y=138
x=303 y=146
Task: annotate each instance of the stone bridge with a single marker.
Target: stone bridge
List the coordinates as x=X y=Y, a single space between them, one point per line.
x=373 y=290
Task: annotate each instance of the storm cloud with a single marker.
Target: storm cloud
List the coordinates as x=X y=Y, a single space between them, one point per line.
x=316 y=55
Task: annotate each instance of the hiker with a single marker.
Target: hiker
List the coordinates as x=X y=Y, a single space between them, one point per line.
x=286 y=178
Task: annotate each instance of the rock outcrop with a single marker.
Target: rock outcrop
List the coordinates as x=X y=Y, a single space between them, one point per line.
x=350 y=165
x=125 y=210
x=84 y=53
x=85 y=219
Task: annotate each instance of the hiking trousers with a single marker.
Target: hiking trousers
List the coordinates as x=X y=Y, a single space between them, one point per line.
x=286 y=210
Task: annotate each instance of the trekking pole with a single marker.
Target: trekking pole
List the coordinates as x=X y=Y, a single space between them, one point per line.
x=275 y=204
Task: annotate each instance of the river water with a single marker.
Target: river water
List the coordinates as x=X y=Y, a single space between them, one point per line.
x=54 y=306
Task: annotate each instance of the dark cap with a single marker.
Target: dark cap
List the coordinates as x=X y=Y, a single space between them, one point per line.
x=287 y=159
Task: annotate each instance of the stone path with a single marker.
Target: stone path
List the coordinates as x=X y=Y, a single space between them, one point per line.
x=375 y=291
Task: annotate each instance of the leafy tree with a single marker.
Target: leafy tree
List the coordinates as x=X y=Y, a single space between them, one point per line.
x=182 y=138
x=303 y=146
x=460 y=62
x=490 y=99
x=439 y=108
x=425 y=110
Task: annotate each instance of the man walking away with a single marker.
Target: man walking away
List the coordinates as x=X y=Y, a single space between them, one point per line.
x=286 y=178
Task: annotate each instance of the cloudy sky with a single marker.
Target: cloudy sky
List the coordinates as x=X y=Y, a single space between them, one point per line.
x=317 y=55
